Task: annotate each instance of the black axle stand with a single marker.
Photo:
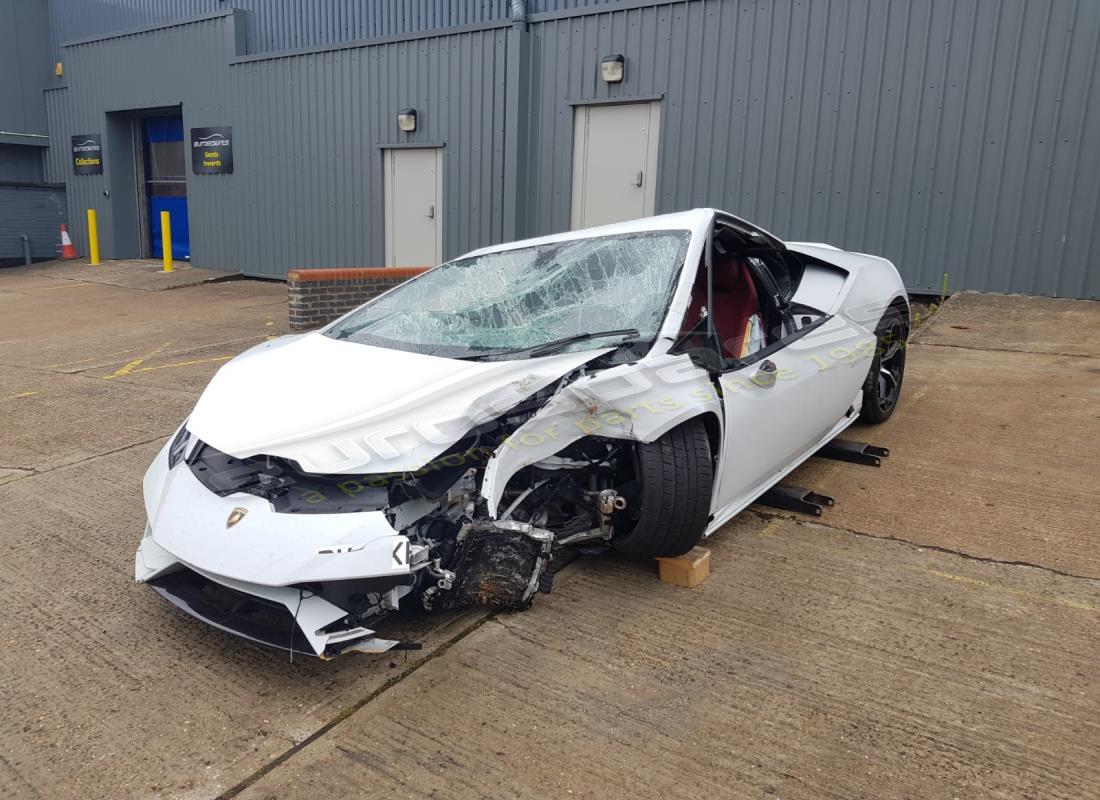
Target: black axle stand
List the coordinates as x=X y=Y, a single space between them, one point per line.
x=853 y=452
x=795 y=498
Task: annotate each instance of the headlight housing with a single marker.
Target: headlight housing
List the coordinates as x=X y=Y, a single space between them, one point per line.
x=179 y=446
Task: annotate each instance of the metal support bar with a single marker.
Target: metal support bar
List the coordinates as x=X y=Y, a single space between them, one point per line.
x=795 y=498
x=853 y=452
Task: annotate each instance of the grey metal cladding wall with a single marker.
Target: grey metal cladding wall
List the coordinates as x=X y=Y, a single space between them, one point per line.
x=24 y=65
x=307 y=183
x=316 y=124
x=36 y=212
x=290 y=24
x=957 y=136
x=106 y=76
x=58 y=119
x=279 y=24
x=21 y=163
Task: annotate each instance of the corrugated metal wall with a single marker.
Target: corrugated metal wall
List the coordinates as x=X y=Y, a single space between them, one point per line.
x=24 y=65
x=311 y=157
x=35 y=211
x=307 y=183
x=957 y=136
x=20 y=163
x=292 y=24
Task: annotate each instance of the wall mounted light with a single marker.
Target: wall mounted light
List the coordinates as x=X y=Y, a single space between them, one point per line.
x=406 y=120
x=612 y=69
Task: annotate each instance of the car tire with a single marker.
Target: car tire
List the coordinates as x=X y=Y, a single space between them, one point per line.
x=669 y=503
x=882 y=388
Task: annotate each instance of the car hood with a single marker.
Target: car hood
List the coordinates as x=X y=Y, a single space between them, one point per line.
x=340 y=407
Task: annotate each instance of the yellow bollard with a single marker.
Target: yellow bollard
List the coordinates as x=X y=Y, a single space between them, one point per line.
x=93 y=239
x=166 y=240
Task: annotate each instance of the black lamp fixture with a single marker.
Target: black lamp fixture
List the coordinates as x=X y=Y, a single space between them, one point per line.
x=613 y=68
x=406 y=120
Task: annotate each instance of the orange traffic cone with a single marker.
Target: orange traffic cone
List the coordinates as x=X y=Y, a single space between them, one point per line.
x=68 y=252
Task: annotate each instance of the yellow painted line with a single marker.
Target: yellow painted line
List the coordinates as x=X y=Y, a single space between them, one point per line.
x=130 y=366
x=997 y=587
x=184 y=363
x=21 y=394
x=770 y=529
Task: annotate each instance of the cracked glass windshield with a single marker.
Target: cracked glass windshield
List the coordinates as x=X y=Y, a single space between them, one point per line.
x=600 y=291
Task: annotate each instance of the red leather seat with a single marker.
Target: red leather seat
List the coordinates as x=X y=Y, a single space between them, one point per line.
x=735 y=301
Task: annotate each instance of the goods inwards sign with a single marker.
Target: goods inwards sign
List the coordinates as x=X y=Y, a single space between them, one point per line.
x=212 y=150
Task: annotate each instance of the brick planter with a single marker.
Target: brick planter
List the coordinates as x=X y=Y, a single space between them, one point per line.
x=318 y=296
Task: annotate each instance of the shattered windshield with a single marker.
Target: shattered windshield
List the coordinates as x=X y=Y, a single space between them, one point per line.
x=615 y=286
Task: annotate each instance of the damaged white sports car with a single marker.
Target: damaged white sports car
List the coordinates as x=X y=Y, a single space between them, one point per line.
x=634 y=385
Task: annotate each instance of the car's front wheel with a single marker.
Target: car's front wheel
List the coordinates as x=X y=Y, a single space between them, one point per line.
x=669 y=501
x=883 y=386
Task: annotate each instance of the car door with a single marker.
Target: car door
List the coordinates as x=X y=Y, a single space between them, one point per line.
x=780 y=405
x=781 y=401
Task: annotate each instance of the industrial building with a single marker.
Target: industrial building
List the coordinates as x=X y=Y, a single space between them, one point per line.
x=959 y=138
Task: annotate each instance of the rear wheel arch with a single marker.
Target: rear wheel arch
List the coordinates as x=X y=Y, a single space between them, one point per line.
x=882 y=388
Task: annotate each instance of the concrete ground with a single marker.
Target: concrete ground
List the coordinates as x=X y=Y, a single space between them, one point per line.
x=935 y=634
x=146 y=274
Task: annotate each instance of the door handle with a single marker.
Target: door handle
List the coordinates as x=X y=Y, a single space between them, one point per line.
x=637 y=179
x=765 y=373
x=431 y=212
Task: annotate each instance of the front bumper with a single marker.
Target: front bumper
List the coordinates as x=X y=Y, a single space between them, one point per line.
x=278 y=579
x=284 y=617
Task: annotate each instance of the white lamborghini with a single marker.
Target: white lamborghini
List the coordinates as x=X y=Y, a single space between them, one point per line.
x=631 y=386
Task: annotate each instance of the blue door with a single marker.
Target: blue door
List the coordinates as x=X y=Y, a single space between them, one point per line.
x=166 y=182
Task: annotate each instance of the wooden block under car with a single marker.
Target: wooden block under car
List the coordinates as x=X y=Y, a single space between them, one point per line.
x=690 y=569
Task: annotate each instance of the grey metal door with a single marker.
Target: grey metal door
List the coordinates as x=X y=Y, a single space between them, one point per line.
x=614 y=163
x=413 y=189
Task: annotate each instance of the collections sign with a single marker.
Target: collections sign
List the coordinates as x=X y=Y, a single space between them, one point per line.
x=88 y=154
x=212 y=150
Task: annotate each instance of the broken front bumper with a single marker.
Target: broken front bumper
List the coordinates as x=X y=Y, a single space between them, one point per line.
x=295 y=619
x=285 y=580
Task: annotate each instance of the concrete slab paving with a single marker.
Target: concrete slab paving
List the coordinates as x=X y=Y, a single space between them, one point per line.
x=108 y=691
x=1015 y=322
x=995 y=454
x=189 y=369
x=50 y=419
x=814 y=663
x=94 y=327
x=141 y=274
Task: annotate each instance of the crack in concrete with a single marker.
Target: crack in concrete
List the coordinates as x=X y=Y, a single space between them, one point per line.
x=348 y=712
x=923 y=343
x=121 y=380
x=567 y=569
x=78 y=462
x=933 y=547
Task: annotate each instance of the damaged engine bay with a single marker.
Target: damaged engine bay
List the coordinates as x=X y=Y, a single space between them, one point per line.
x=458 y=556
